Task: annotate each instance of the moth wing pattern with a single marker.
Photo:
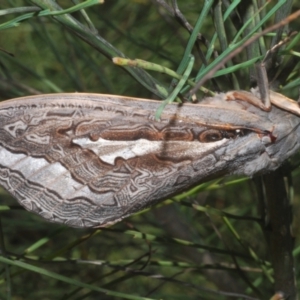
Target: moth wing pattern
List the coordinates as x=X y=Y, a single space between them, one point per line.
x=54 y=176
x=88 y=160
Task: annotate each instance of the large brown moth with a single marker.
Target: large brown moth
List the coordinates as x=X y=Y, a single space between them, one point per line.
x=90 y=160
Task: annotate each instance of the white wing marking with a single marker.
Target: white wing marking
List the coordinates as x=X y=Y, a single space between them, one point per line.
x=109 y=150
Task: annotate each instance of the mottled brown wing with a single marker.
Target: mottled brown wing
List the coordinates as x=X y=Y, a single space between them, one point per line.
x=90 y=160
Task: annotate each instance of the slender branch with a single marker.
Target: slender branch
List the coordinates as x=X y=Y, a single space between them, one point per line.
x=239 y=49
x=281 y=240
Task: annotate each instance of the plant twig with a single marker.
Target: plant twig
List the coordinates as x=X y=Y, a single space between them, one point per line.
x=281 y=240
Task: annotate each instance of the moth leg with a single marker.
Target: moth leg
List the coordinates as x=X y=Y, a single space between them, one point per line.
x=262 y=79
x=285 y=103
x=276 y=99
x=261 y=99
x=247 y=97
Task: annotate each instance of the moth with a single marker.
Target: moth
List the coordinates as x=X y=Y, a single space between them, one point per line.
x=90 y=160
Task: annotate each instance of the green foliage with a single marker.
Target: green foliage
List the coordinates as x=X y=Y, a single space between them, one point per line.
x=208 y=243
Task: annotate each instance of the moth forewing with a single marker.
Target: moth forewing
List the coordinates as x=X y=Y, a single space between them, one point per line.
x=90 y=160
